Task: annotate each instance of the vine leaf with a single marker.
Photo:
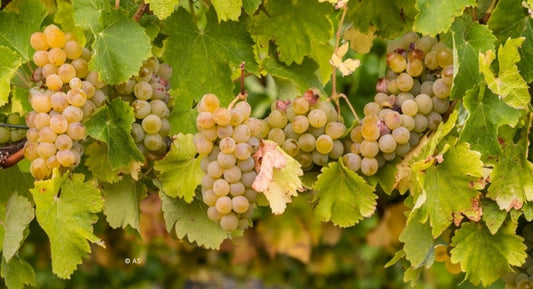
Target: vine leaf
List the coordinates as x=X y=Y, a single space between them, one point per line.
x=278 y=178
x=9 y=63
x=122 y=199
x=344 y=197
x=112 y=125
x=101 y=167
x=227 y=9
x=202 y=62
x=17 y=273
x=191 y=220
x=492 y=215
x=162 y=8
x=509 y=84
x=19 y=213
x=417 y=239
x=486 y=114
x=66 y=209
x=14 y=180
x=437 y=16
x=457 y=172
x=512 y=177
x=299 y=29
x=180 y=172
x=65 y=17
x=388 y=23
x=469 y=39
x=120 y=45
x=17 y=28
x=484 y=256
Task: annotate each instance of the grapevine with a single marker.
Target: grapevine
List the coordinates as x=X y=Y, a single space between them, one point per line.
x=133 y=134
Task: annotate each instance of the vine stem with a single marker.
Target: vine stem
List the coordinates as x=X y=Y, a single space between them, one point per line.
x=243 y=94
x=10 y=155
x=343 y=96
x=337 y=44
x=486 y=17
x=13 y=125
x=24 y=79
x=191 y=7
x=140 y=11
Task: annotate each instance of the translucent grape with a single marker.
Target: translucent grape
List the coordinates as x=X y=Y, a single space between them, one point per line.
x=220 y=187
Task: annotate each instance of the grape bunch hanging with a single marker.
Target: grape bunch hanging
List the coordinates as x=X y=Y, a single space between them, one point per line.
x=410 y=101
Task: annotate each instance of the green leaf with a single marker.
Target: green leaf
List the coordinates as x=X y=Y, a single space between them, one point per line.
x=162 y=8
x=17 y=28
x=436 y=16
x=512 y=177
x=418 y=241
x=112 y=125
x=390 y=22
x=183 y=116
x=66 y=209
x=509 y=84
x=88 y=13
x=469 y=38
x=525 y=65
x=65 y=17
x=19 y=214
x=180 y=172
x=14 y=180
x=9 y=63
x=302 y=75
x=120 y=47
x=202 y=60
x=485 y=257
x=121 y=206
x=250 y=6
x=344 y=196
x=17 y=273
x=191 y=221
x=101 y=167
x=227 y=9
x=492 y=215
x=298 y=28
x=507 y=20
x=486 y=114
x=448 y=187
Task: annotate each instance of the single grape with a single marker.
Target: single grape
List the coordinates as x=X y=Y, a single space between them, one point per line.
x=76 y=130
x=241 y=133
x=40 y=58
x=225 y=160
x=404 y=81
x=421 y=123
x=317 y=118
x=240 y=204
x=41 y=102
x=409 y=107
x=277 y=135
x=242 y=151
x=227 y=145
x=222 y=116
x=38 y=41
x=246 y=165
x=229 y=222
x=232 y=174
x=425 y=103
x=335 y=129
x=63 y=142
x=290 y=146
x=209 y=102
x=141 y=108
x=39 y=169
x=352 y=161
x=248 y=178
x=151 y=124
x=237 y=189
x=300 y=124
x=277 y=119
x=213 y=214
x=54 y=82
x=387 y=144
x=202 y=145
x=392 y=119
x=143 y=90
x=401 y=135
x=324 y=144
x=224 y=204
x=369 y=148
x=300 y=105
x=319 y=159
x=209 y=198
x=73 y=114
x=221 y=187
x=441 y=253
x=224 y=131
x=369 y=166
x=396 y=62
x=306 y=142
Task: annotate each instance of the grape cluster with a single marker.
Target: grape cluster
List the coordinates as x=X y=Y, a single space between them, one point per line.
x=523 y=278
x=308 y=129
x=66 y=93
x=228 y=137
x=148 y=94
x=410 y=100
x=11 y=134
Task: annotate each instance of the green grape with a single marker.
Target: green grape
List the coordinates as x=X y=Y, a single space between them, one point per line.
x=408 y=122
x=4 y=135
x=434 y=119
x=224 y=131
x=214 y=170
x=401 y=135
x=241 y=133
x=431 y=60
x=393 y=119
x=209 y=197
x=396 y=62
x=369 y=166
x=237 y=189
x=337 y=151
x=324 y=144
x=403 y=96
x=425 y=103
x=277 y=119
x=151 y=124
x=440 y=105
x=380 y=98
x=30 y=151
x=227 y=145
x=369 y=149
x=306 y=142
x=232 y=174
x=213 y=214
x=82 y=68
x=300 y=105
x=305 y=159
x=154 y=142
x=387 y=144
x=335 y=129
x=248 y=178
x=73 y=114
x=441 y=89
x=245 y=109
x=225 y=160
x=415 y=67
x=352 y=161
x=137 y=132
x=240 y=204
x=143 y=90
x=371 y=108
x=39 y=169
x=229 y=222
x=317 y=118
x=319 y=159
x=141 y=108
x=290 y=146
x=300 y=124
x=220 y=187
x=159 y=108
x=277 y=135
x=425 y=43
x=246 y=165
x=224 y=204
x=52 y=163
x=222 y=116
x=427 y=87
x=404 y=81
x=236 y=117
x=409 y=107
x=46 y=134
x=242 y=151
x=421 y=123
